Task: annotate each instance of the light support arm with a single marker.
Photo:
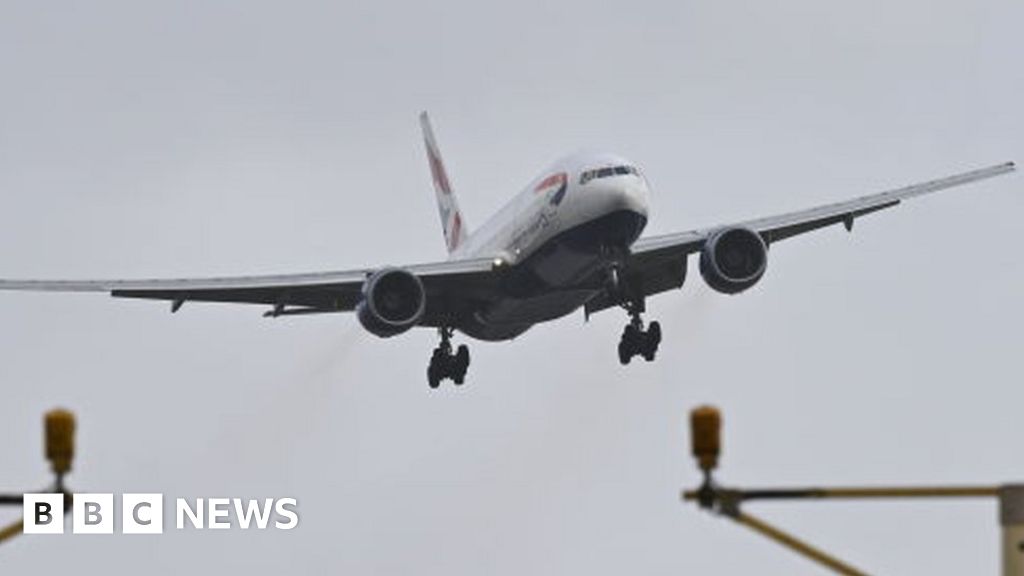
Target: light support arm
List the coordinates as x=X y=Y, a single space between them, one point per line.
x=795 y=544
x=705 y=423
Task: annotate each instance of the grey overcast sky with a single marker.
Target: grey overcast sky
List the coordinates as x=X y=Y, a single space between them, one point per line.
x=142 y=139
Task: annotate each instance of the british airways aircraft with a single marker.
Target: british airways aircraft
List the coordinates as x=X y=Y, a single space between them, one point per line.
x=569 y=240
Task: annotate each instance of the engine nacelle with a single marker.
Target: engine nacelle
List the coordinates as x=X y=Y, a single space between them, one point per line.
x=393 y=302
x=733 y=260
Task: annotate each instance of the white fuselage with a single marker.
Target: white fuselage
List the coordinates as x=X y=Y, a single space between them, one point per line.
x=566 y=226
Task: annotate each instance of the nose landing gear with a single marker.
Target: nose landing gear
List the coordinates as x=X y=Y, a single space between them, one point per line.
x=635 y=340
x=444 y=364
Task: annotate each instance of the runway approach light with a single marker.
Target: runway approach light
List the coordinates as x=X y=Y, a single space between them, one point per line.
x=705 y=439
x=59 y=449
x=59 y=428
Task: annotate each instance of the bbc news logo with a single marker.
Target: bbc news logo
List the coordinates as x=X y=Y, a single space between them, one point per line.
x=144 y=513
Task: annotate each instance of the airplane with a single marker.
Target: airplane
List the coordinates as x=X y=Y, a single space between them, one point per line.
x=571 y=239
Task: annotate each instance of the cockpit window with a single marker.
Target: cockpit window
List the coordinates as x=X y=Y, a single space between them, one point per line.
x=588 y=175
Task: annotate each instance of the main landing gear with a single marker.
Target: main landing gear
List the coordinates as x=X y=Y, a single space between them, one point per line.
x=444 y=364
x=635 y=340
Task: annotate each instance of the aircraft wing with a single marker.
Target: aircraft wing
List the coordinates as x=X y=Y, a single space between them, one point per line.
x=288 y=294
x=657 y=263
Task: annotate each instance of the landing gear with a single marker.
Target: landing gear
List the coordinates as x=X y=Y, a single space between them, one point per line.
x=444 y=364
x=635 y=340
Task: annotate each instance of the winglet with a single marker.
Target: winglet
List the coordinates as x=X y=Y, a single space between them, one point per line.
x=452 y=222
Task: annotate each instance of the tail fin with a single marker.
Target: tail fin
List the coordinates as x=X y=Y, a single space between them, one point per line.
x=451 y=217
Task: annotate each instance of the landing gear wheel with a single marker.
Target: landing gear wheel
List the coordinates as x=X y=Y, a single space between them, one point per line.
x=460 y=363
x=628 y=343
x=435 y=370
x=651 y=340
x=648 y=352
x=444 y=364
x=654 y=332
x=625 y=353
x=635 y=340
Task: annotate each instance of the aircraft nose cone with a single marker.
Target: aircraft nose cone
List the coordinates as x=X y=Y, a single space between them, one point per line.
x=623 y=206
x=631 y=196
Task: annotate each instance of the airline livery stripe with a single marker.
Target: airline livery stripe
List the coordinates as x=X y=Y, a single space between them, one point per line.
x=553 y=180
x=437 y=170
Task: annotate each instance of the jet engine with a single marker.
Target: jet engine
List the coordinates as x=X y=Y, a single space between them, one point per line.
x=733 y=259
x=393 y=302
